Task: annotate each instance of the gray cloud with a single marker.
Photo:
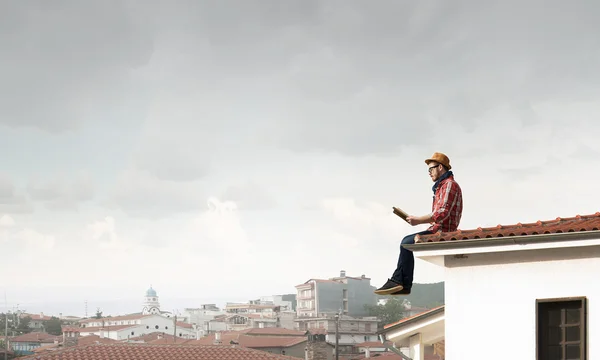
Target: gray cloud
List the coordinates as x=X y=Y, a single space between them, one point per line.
x=249 y=195
x=139 y=194
x=62 y=193
x=11 y=200
x=64 y=62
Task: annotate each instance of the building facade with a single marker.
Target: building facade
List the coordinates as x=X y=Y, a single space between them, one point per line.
x=533 y=285
x=349 y=295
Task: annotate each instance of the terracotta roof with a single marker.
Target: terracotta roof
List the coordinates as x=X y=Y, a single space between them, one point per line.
x=273 y=331
x=36 y=316
x=170 y=340
x=116 y=318
x=406 y=319
x=36 y=337
x=579 y=223
x=82 y=340
x=181 y=324
x=151 y=336
x=163 y=352
x=255 y=342
x=94 y=339
x=105 y=328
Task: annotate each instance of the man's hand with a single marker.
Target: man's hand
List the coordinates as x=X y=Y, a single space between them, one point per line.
x=418 y=220
x=413 y=220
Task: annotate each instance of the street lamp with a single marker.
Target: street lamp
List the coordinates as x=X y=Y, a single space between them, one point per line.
x=337 y=328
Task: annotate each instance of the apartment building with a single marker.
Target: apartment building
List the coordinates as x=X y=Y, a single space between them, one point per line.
x=347 y=294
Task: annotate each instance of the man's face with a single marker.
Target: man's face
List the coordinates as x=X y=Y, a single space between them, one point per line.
x=434 y=171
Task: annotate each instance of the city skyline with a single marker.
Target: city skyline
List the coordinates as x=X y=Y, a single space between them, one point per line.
x=235 y=152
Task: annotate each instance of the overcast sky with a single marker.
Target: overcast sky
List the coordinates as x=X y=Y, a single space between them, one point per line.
x=224 y=150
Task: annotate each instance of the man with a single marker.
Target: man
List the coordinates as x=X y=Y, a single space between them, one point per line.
x=445 y=216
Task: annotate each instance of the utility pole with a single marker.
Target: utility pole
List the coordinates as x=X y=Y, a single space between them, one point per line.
x=5 y=328
x=337 y=329
x=175 y=329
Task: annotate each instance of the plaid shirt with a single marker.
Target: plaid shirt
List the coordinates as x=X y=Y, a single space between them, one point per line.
x=447 y=206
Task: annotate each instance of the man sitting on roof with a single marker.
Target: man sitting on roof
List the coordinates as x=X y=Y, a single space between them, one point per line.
x=445 y=216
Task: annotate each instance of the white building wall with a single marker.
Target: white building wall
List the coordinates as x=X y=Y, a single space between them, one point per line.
x=146 y=325
x=487 y=305
x=347 y=339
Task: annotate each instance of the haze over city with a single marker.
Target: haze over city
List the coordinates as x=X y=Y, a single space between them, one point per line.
x=222 y=151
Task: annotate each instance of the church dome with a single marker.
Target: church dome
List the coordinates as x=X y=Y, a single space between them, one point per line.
x=150 y=292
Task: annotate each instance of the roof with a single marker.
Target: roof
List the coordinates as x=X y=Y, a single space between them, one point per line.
x=273 y=331
x=82 y=340
x=420 y=316
x=90 y=329
x=255 y=342
x=163 y=352
x=36 y=337
x=151 y=337
x=36 y=316
x=116 y=318
x=578 y=223
x=182 y=324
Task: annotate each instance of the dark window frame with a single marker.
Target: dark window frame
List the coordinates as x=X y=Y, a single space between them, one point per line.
x=543 y=304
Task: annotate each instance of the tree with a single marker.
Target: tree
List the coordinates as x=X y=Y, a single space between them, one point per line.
x=98 y=313
x=23 y=327
x=53 y=326
x=390 y=312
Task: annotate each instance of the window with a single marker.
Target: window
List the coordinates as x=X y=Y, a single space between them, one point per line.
x=561 y=329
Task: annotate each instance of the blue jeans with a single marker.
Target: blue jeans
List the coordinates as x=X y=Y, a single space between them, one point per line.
x=406 y=262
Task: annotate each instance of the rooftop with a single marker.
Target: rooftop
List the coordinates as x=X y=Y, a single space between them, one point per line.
x=163 y=352
x=576 y=224
x=36 y=337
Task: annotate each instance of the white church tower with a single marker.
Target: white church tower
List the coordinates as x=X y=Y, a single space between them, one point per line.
x=151 y=305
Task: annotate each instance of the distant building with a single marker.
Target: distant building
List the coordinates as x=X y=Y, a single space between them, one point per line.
x=37 y=320
x=128 y=326
x=151 y=304
x=285 y=302
x=26 y=344
x=350 y=330
x=318 y=297
x=204 y=318
x=150 y=320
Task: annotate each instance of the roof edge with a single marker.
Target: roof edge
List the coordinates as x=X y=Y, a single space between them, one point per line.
x=413 y=319
x=506 y=240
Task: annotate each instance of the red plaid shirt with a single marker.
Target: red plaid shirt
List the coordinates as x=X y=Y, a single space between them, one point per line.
x=447 y=206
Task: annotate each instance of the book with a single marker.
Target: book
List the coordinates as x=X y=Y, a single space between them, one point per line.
x=400 y=213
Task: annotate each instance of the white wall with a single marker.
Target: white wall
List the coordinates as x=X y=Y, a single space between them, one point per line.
x=490 y=309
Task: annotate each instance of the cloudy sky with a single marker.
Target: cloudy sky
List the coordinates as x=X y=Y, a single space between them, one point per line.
x=226 y=150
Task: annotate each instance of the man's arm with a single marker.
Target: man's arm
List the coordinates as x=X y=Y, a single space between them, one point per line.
x=417 y=220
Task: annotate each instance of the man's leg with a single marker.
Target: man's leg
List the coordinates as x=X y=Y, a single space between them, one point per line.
x=401 y=280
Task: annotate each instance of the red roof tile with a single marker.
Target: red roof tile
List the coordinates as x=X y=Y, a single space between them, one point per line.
x=273 y=331
x=36 y=337
x=105 y=328
x=171 y=340
x=163 y=352
x=252 y=341
x=184 y=325
x=37 y=317
x=579 y=223
x=115 y=318
x=150 y=337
